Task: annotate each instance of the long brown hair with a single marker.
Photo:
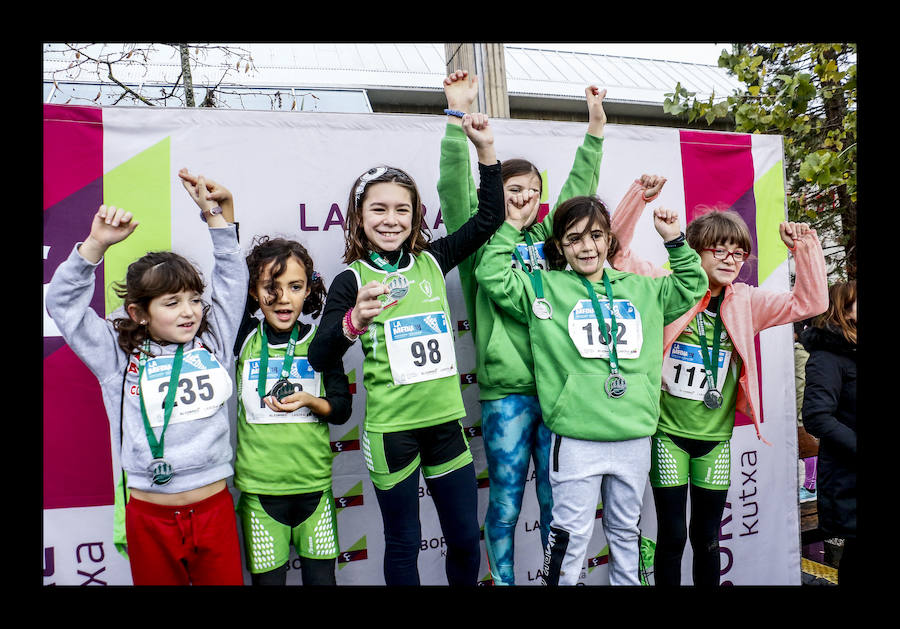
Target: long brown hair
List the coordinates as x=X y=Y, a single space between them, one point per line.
x=154 y=274
x=841 y=297
x=266 y=250
x=567 y=214
x=356 y=245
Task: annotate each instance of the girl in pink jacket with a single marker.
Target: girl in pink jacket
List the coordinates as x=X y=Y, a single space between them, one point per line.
x=700 y=395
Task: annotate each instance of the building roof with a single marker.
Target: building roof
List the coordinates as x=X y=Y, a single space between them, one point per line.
x=415 y=70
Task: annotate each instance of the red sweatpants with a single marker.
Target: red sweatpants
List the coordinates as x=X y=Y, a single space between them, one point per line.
x=195 y=544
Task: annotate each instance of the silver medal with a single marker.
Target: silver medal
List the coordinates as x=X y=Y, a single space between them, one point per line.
x=160 y=471
x=615 y=385
x=712 y=399
x=397 y=284
x=284 y=388
x=541 y=308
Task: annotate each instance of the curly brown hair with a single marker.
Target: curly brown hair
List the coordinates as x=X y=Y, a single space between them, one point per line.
x=154 y=274
x=567 y=214
x=356 y=245
x=265 y=251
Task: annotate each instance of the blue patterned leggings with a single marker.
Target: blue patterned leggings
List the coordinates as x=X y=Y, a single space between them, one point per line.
x=514 y=434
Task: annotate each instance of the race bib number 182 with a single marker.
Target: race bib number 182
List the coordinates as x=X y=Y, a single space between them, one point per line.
x=585 y=332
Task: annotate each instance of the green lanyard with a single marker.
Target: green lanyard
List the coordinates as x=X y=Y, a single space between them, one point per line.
x=615 y=383
x=383 y=264
x=541 y=307
x=713 y=398
x=157 y=445
x=264 y=358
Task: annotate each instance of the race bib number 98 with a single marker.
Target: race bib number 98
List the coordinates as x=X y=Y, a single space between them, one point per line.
x=585 y=332
x=420 y=347
x=203 y=386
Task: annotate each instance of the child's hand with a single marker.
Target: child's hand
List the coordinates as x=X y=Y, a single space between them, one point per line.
x=368 y=305
x=207 y=194
x=792 y=232
x=461 y=91
x=596 y=114
x=289 y=404
x=520 y=207
x=478 y=129
x=111 y=225
x=652 y=185
x=666 y=223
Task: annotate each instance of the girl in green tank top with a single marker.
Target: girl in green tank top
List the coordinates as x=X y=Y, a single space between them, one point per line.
x=393 y=299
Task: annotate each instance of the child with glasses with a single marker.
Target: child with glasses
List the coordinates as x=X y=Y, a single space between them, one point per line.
x=393 y=299
x=596 y=335
x=709 y=372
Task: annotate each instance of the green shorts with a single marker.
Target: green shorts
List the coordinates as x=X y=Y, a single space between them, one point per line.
x=392 y=456
x=267 y=540
x=673 y=466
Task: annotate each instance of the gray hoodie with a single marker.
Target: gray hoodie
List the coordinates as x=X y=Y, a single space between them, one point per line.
x=199 y=451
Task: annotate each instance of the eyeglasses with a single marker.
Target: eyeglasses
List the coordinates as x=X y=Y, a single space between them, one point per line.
x=572 y=240
x=739 y=255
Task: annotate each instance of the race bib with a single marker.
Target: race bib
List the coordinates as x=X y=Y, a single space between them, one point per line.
x=540 y=261
x=420 y=347
x=683 y=374
x=585 y=332
x=256 y=411
x=203 y=386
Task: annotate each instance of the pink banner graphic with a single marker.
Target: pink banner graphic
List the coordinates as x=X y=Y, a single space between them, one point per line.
x=718 y=173
x=77 y=459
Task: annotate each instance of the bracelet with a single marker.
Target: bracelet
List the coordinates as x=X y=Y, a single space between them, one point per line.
x=347 y=335
x=212 y=212
x=675 y=242
x=454 y=112
x=350 y=327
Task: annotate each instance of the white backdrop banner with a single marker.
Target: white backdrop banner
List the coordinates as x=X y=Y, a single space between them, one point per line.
x=290 y=174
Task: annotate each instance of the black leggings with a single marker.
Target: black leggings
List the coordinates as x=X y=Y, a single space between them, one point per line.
x=707 y=506
x=456 y=501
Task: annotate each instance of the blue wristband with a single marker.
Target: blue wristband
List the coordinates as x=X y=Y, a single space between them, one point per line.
x=453 y=112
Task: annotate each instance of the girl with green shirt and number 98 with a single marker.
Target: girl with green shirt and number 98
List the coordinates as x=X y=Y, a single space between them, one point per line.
x=393 y=299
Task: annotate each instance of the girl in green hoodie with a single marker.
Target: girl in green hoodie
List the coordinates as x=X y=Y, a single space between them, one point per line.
x=598 y=392
x=514 y=433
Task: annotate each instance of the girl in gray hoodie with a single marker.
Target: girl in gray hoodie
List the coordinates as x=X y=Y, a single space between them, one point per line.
x=164 y=363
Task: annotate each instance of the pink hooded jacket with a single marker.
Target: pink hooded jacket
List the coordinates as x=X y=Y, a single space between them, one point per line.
x=745 y=309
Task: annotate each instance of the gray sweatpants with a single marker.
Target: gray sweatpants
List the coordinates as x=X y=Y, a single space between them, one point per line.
x=580 y=471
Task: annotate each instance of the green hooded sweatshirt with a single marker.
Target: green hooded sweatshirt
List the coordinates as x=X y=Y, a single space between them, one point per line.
x=569 y=361
x=504 y=364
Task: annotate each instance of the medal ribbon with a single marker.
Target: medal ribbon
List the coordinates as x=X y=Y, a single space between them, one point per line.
x=613 y=356
x=157 y=445
x=709 y=364
x=383 y=264
x=535 y=275
x=264 y=357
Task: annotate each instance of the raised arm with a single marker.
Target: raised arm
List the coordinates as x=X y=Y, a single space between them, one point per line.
x=230 y=276
x=687 y=284
x=624 y=220
x=91 y=337
x=506 y=286
x=585 y=171
x=809 y=296
x=456 y=185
